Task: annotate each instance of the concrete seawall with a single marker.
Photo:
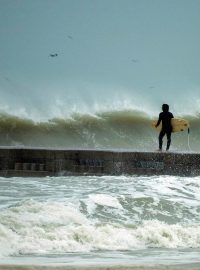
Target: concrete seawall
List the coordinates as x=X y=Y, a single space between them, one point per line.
x=52 y=162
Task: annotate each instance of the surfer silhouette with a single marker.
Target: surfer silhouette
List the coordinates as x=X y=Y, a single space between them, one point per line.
x=165 y=116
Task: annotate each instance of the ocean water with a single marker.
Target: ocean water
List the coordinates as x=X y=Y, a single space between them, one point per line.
x=126 y=129
x=107 y=220
x=118 y=62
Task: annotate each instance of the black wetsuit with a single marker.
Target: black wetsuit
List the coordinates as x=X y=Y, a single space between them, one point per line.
x=165 y=117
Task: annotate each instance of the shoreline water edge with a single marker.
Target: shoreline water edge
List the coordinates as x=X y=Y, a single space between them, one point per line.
x=41 y=267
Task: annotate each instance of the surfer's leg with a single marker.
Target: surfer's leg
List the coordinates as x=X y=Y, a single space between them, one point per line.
x=160 y=138
x=168 y=140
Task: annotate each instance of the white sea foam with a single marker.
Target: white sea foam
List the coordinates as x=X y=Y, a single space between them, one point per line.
x=52 y=227
x=115 y=99
x=105 y=200
x=59 y=215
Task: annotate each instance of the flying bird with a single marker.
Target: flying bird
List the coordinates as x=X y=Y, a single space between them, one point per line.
x=134 y=60
x=53 y=55
x=5 y=77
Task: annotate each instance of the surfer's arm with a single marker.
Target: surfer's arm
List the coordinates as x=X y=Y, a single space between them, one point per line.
x=159 y=120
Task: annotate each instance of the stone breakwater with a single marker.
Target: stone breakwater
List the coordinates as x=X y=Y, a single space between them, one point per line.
x=51 y=162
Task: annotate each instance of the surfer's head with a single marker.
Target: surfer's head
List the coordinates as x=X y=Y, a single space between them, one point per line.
x=165 y=107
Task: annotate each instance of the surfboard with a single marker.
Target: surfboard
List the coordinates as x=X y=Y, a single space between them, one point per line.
x=178 y=124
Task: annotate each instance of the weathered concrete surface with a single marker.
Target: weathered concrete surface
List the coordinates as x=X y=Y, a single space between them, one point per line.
x=49 y=162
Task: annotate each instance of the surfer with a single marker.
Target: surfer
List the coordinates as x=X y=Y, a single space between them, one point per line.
x=165 y=116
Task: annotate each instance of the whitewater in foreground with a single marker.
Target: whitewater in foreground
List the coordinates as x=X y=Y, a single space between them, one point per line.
x=98 y=221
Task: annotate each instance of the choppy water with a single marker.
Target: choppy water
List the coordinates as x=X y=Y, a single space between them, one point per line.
x=105 y=220
x=111 y=129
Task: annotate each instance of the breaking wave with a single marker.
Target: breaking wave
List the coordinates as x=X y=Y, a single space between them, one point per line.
x=113 y=129
x=105 y=213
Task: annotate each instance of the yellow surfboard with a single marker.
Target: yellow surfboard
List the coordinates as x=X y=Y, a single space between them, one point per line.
x=178 y=124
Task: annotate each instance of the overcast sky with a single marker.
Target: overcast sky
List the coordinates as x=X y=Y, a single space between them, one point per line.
x=134 y=49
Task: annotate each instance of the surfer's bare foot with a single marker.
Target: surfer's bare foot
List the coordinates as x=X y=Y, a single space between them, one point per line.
x=159 y=150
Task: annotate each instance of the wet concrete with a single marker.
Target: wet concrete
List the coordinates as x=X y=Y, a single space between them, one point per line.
x=28 y=162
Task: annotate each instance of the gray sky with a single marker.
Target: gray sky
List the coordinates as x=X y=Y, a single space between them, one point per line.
x=111 y=54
